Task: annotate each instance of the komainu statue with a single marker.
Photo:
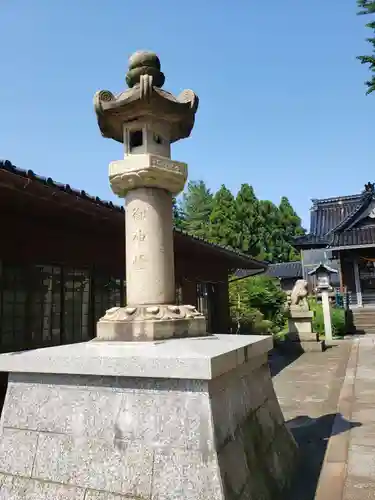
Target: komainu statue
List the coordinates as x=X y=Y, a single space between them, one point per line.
x=298 y=297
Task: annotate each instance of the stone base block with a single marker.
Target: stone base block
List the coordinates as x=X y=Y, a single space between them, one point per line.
x=303 y=337
x=300 y=322
x=105 y=421
x=294 y=344
x=313 y=346
x=156 y=322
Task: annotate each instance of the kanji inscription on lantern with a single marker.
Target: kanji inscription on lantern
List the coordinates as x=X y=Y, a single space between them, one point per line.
x=139 y=235
x=139 y=214
x=178 y=167
x=139 y=260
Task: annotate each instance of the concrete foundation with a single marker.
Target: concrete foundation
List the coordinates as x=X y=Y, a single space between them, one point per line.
x=182 y=419
x=291 y=344
x=308 y=342
x=301 y=336
x=300 y=324
x=313 y=346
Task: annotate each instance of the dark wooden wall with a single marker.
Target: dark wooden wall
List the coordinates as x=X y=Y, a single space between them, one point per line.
x=347 y=272
x=34 y=235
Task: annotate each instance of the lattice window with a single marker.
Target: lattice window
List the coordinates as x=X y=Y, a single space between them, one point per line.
x=44 y=305
x=178 y=294
x=13 y=306
x=108 y=292
x=76 y=305
x=202 y=296
x=50 y=305
x=207 y=303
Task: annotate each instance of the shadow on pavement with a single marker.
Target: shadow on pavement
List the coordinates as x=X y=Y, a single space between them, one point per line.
x=312 y=436
x=278 y=360
x=3 y=389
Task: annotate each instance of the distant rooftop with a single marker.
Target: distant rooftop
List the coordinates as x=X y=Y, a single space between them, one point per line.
x=281 y=270
x=331 y=219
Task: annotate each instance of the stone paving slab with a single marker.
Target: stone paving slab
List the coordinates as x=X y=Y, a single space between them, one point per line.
x=336 y=435
x=363 y=435
x=361 y=462
x=359 y=489
x=308 y=389
x=360 y=480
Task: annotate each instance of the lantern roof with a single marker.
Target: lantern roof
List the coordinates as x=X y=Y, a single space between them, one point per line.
x=146 y=101
x=322 y=267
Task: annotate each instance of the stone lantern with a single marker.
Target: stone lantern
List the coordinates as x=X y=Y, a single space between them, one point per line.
x=323 y=274
x=147 y=120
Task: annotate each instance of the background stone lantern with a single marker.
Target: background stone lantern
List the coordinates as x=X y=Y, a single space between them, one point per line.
x=323 y=274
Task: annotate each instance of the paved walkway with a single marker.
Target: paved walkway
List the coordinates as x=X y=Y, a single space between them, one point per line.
x=328 y=400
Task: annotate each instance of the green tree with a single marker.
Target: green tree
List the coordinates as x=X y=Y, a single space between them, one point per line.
x=223 y=226
x=256 y=227
x=178 y=215
x=271 y=234
x=196 y=209
x=248 y=219
x=245 y=319
x=257 y=305
x=291 y=227
x=278 y=227
x=368 y=8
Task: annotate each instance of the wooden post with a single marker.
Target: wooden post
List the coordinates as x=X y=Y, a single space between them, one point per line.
x=357 y=283
x=341 y=276
x=327 y=317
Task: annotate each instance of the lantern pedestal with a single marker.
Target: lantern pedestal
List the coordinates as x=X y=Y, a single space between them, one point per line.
x=300 y=334
x=187 y=418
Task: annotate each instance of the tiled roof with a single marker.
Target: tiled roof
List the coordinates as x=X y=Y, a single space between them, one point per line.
x=352 y=198
x=331 y=217
x=310 y=240
x=326 y=216
x=363 y=203
x=285 y=270
x=354 y=237
x=257 y=264
x=29 y=174
x=282 y=270
x=245 y=273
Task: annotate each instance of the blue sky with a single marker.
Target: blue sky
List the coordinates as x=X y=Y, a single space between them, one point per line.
x=282 y=98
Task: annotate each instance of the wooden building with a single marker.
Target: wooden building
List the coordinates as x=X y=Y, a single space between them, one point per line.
x=62 y=264
x=342 y=231
x=286 y=272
